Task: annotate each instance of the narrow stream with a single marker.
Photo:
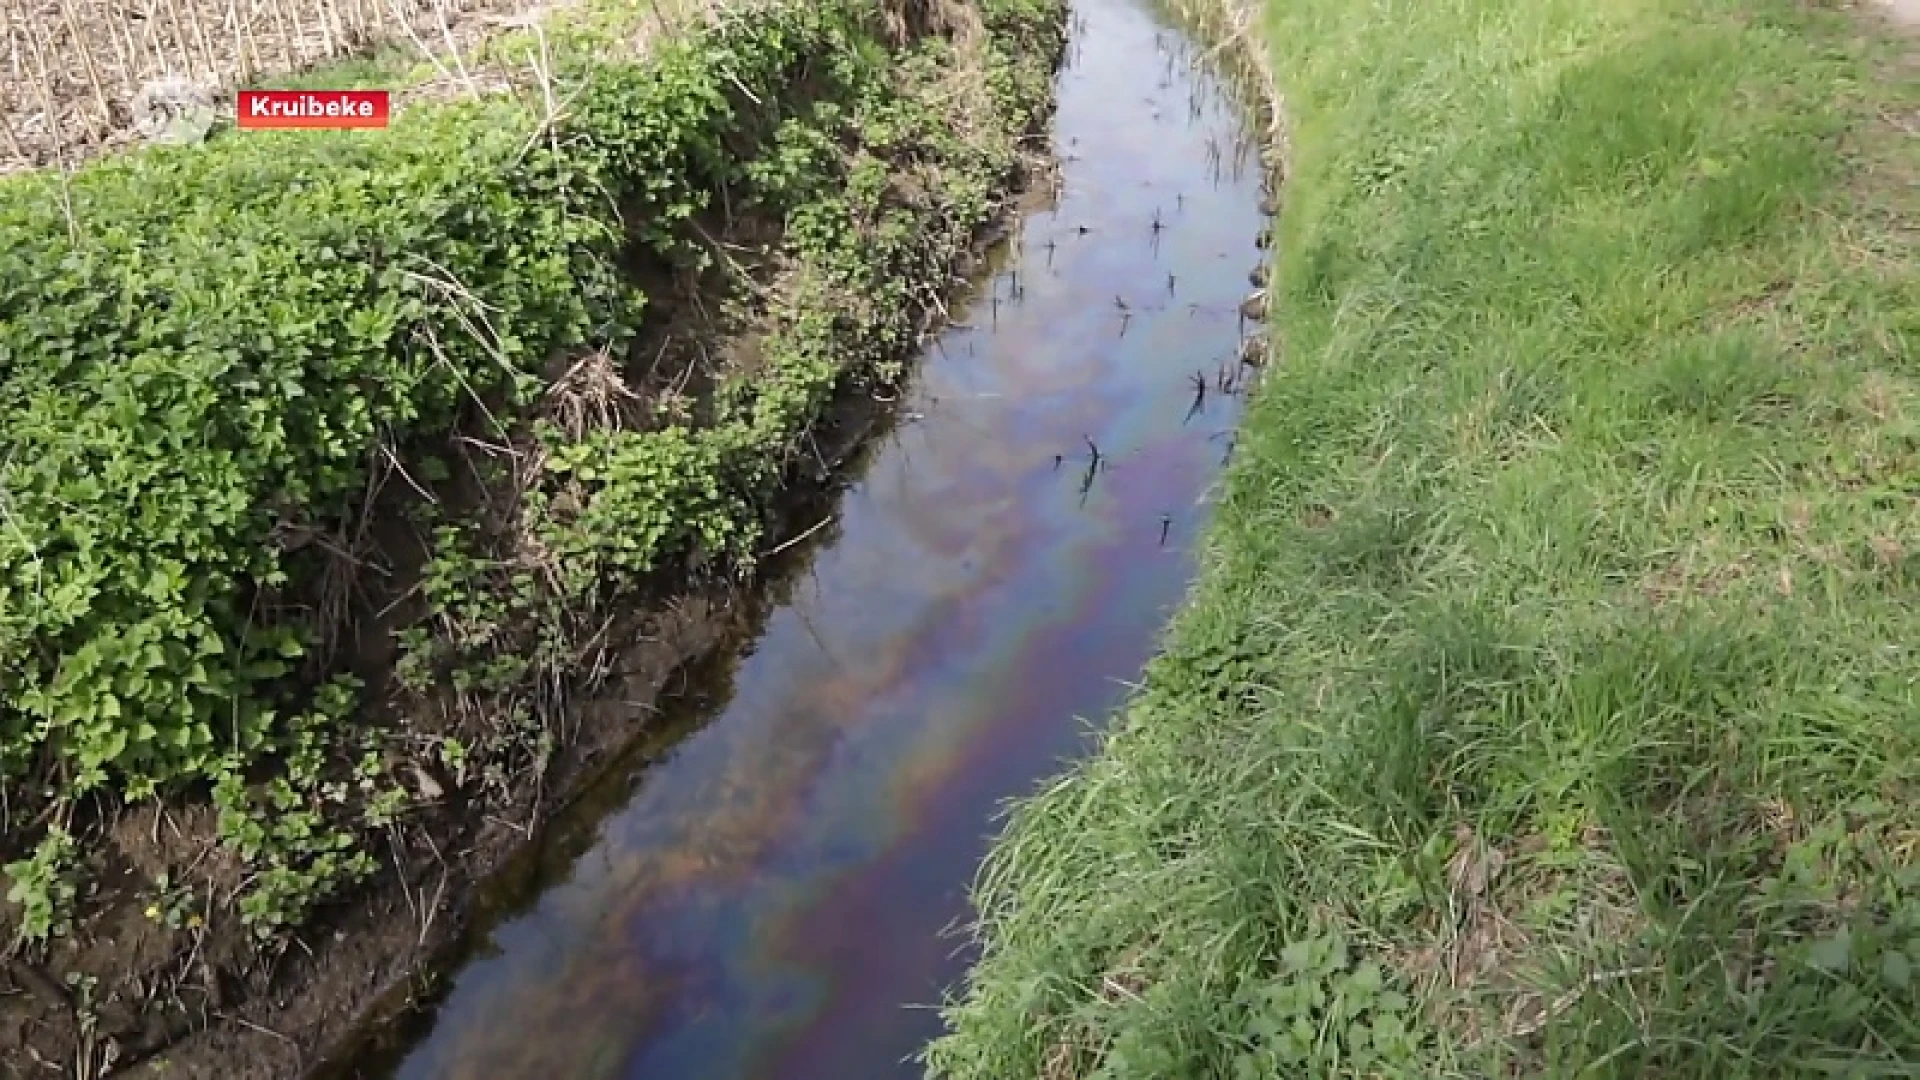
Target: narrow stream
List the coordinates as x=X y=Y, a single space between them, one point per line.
x=772 y=898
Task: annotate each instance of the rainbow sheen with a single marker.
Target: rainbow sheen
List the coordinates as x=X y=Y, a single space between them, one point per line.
x=770 y=898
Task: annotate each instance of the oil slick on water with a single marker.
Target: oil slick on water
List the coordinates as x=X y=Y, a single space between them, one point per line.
x=771 y=899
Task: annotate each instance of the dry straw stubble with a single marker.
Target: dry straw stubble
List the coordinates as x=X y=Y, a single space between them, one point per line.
x=72 y=71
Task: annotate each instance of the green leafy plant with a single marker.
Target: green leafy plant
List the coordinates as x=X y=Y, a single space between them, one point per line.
x=173 y=906
x=43 y=886
x=1325 y=1013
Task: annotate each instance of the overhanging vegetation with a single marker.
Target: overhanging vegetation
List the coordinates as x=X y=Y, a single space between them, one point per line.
x=275 y=401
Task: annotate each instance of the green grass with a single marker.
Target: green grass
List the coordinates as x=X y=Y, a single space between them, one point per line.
x=383 y=66
x=1548 y=702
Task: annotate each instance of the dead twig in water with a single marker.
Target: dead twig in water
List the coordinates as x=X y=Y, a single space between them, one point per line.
x=1199 y=381
x=778 y=548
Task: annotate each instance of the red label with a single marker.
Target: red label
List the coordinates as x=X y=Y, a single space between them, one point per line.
x=313 y=108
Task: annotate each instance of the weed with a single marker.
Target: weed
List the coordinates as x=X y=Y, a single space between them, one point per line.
x=43 y=885
x=174 y=906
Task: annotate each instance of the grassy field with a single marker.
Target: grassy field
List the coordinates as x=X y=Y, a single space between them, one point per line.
x=1548 y=705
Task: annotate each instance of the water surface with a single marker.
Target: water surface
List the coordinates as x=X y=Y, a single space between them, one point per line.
x=770 y=899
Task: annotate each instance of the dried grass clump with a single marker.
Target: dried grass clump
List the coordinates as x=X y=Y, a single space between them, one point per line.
x=909 y=20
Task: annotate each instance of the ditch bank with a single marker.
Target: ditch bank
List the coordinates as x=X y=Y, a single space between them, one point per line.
x=1544 y=706
x=771 y=893
x=346 y=473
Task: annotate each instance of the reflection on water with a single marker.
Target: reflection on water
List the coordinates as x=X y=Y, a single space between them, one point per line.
x=770 y=899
